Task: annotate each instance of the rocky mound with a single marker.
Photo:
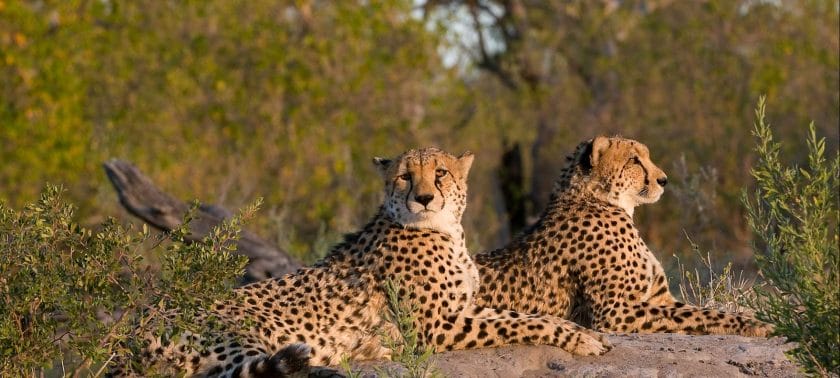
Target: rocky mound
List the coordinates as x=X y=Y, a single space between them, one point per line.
x=657 y=355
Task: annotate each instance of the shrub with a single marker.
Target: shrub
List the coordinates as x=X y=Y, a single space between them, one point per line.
x=408 y=349
x=75 y=296
x=794 y=215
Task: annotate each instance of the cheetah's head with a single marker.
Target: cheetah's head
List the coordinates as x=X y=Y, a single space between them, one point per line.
x=426 y=188
x=615 y=169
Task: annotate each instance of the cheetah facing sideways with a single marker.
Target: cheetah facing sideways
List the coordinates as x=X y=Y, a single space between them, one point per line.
x=585 y=256
x=334 y=309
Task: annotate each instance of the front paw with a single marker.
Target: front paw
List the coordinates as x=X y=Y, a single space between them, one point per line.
x=588 y=344
x=598 y=335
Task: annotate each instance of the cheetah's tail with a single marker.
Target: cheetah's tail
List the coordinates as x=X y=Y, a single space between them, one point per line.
x=290 y=360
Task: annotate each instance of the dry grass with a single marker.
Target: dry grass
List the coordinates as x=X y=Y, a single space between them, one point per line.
x=705 y=286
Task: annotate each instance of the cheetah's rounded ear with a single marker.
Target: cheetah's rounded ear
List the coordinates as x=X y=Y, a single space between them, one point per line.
x=382 y=164
x=465 y=162
x=599 y=145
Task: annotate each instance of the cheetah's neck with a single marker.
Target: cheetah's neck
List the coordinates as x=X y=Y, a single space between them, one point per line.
x=581 y=186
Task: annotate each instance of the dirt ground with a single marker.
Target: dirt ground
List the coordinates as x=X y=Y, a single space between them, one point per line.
x=658 y=355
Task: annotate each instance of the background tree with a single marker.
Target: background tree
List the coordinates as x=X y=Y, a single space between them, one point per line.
x=680 y=76
x=228 y=101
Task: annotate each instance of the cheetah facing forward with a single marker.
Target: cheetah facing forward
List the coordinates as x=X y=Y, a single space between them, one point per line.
x=584 y=258
x=335 y=306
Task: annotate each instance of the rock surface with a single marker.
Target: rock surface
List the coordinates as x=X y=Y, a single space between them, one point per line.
x=657 y=355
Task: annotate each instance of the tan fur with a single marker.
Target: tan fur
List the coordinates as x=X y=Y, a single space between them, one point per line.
x=337 y=305
x=584 y=258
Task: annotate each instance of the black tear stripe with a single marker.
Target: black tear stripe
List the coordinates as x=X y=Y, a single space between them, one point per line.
x=647 y=181
x=437 y=186
x=408 y=193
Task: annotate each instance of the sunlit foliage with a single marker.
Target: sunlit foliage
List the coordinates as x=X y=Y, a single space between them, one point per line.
x=74 y=297
x=794 y=213
x=227 y=101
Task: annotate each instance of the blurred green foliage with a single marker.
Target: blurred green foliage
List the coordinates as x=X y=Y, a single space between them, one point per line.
x=74 y=297
x=227 y=101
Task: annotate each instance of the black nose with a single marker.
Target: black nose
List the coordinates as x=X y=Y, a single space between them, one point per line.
x=424 y=199
x=662 y=181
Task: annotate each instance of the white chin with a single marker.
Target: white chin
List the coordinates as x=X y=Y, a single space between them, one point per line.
x=432 y=220
x=421 y=217
x=650 y=198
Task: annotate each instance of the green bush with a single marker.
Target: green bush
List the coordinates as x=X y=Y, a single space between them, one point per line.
x=408 y=349
x=794 y=214
x=75 y=297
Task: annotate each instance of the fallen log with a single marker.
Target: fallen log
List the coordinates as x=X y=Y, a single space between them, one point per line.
x=139 y=195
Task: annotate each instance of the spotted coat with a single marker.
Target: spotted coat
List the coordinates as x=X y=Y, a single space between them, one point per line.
x=335 y=309
x=585 y=260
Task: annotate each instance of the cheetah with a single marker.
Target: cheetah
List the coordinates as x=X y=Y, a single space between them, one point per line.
x=334 y=309
x=584 y=259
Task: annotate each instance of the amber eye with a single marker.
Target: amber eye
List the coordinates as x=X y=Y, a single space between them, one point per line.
x=405 y=176
x=440 y=172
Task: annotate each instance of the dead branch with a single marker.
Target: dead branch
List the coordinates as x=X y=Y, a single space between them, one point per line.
x=139 y=195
